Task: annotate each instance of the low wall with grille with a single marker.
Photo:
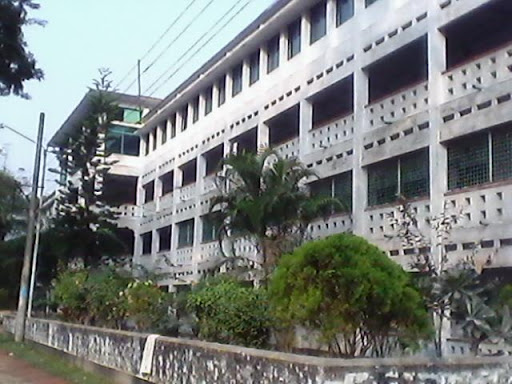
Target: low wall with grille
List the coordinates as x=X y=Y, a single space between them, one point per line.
x=189 y=361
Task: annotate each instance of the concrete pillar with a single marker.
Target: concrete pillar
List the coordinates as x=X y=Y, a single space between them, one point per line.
x=246 y=74
x=263 y=137
x=305 y=28
x=151 y=140
x=202 y=108
x=305 y=125
x=229 y=86
x=215 y=96
x=190 y=115
x=283 y=47
x=263 y=62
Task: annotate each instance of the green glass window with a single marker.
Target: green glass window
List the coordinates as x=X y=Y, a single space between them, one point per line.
x=318 y=19
x=342 y=190
x=383 y=182
x=132 y=115
x=502 y=155
x=468 y=161
x=414 y=174
x=211 y=225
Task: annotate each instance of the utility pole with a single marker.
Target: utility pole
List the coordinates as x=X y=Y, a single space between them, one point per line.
x=19 y=334
x=38 y=235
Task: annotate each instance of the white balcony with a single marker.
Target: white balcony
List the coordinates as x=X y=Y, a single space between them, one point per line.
x=289 y=149
x=331 y=133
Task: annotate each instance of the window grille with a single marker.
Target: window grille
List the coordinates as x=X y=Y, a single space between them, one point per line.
x=342 y=185
x=414 y=174
x=502 y=155
x=468 y=162
x=383 y=182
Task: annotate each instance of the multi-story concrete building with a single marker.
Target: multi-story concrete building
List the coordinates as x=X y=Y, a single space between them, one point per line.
x=380 y=97
x=122 y=144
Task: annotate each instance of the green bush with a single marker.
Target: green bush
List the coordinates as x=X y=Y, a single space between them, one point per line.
x=230 y=313
x=348 y=290
x=109 y=298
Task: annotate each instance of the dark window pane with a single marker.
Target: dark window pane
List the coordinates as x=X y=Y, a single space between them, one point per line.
x=186 y=233
x=414 y=174
x=237 y=76
x=131 y=145
x=468 y=161
x=502 y=155
x=149 y=191
x=383 y=182
x=342 y=184
x=195 y=110
x=163 y=128
x=147 y=239
x=211 y=225
x=294 y=36
x=254 y=68
x=164 y=239
x=318 y=22
x=344 y=11
x=167 y=181
x=273 y=54
x=173 y=126
x=370 y=2
x=184 y=118
x=208 y=100
x=222 y=90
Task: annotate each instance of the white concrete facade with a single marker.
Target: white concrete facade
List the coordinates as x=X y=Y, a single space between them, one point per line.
x=447 y=103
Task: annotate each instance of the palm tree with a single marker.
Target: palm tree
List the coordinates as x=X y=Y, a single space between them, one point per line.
x=264 y=198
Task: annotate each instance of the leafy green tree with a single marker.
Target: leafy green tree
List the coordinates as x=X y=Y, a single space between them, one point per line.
x=13 y=205
x=17 y=64
x=70 y=294
x=231 y=313
x=263 y=198
x=348 y=290
x=84 y=219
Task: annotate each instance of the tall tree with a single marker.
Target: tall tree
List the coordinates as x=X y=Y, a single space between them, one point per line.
x=84 y=220
x=264 y=198
x=17 y=64
x=13 y=204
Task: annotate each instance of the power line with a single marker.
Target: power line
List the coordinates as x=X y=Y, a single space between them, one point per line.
x=159 y=56
x=197 y=50
x=176 y=19
x=178 y=36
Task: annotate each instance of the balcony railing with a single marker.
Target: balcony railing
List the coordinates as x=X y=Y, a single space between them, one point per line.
x=289 y=149
x=331 y=133
x=479 y=73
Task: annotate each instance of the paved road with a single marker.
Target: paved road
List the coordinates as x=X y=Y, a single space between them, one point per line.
x=16 y=371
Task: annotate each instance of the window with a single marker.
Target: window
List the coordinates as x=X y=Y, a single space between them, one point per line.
x=163 y=127
x=237 y=77
x=195 y=110
x=344 y=11
x=186 y=233
x=172 y=121
x=184 y=118
x=128 y=115
x=469 y=159
x=406 y=176
x=146 y=147
x=273 y=54
x=338 y=186
x=254 y=68
x=318 y=22
x=468 y=162
x=189 y=173
x=149 y=192
x=211 y=225
x=153 y=134
x=294 y=37
x=122 y=140
x=167 y=181
x=370 y=2
x=164 y=238
x=221 y=85
x=147 y=239
x=208 y=100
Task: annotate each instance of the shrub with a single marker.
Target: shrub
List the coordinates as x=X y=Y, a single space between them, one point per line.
x=70 y=294
x=359 y=300
x=230 y=313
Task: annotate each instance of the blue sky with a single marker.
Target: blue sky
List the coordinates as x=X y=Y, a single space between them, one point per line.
x=84 y=35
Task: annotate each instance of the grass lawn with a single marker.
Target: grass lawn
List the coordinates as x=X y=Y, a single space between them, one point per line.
x=48 y=362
